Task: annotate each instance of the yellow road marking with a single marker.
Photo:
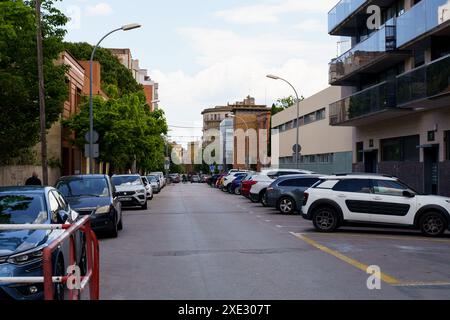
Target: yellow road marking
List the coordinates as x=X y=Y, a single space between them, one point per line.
x=361 y=266
x=370 y=236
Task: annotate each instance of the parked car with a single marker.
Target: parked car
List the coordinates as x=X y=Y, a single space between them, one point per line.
x=204 y=178
x=219 y=183
x=175 y=178
x=247 y=184
x=130 y=190
x=235 y=186
x=94 y=195
x=195 y=179
x=265 y=179
x=21 y=251
x=154 y=182
x=286 y=193
x=374 y=200
x=213 y=179
x=162 y=178
x=227 y=180
x=148 y=188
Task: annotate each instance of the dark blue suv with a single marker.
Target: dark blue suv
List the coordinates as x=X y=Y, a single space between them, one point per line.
x=21 y=251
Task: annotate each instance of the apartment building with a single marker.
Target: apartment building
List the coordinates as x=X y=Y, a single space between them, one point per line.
x=399 y=74
x=324 y=148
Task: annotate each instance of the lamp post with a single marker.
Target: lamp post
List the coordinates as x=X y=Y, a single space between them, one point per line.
x=127 y=27
x=245 y=122
x=297 y=151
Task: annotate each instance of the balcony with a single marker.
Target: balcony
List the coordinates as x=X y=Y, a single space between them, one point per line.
x=421 y=19
x=377 y=101
x=342 y=11
x=422 y=86
x=345 y=18
x=366 y=56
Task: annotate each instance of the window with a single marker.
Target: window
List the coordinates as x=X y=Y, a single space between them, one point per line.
x=354 y=185
x=401 y=149
x=321 y=114
x=447 y=144
x=309 y=118
x=305 y=183
x=388 y=188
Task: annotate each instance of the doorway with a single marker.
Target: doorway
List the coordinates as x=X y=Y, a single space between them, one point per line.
x=371 y=161
x=431 y=174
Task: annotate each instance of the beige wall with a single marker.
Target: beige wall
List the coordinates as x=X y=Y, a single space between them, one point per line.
x=317 y=137
x=17 y=175
x=413 y=124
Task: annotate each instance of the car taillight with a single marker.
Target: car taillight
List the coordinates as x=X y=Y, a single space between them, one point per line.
x=305 y=198
x=270 y=189
x=253 y=183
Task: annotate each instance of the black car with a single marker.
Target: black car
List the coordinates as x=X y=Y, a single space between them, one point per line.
x=286 y=193
x=94 y=195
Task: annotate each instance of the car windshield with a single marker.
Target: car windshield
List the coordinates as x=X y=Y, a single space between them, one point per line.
x=22 y=209
x=152 y=179
x=91 y=187
x=126 y=181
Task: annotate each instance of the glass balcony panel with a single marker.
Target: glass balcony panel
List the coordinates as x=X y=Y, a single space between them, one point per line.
x=364 y=52
x=424 y=82
x=420 y=19
x=371 y=100
x=341 y=11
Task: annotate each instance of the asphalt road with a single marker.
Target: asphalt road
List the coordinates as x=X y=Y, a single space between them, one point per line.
x=197 y=243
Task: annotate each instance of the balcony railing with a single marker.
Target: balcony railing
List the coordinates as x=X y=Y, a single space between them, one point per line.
x=365 y=52
x=422 y=18
x=371 y=100
x=424 y=82
x=341 y=11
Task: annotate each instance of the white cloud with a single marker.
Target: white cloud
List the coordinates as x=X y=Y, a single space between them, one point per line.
x=235 y=66
x=100 y=9
x=311 y=25
x=270 y=13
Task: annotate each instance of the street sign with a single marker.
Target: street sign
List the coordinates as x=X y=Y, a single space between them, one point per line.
x=212 y=168
x=87 y=150
x=220 y=168
x=297 y=147
x=95 y=137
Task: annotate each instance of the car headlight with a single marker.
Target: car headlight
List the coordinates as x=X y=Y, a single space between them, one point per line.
x=141 y=191
x=103 y=210
x=24 y=258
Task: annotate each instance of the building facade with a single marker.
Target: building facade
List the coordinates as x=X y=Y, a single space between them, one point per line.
x=324 y=148
x=399 y=74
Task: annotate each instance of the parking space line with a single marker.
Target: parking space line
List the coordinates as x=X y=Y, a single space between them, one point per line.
x=423 y=284
x=370 y=236
x=361 y=266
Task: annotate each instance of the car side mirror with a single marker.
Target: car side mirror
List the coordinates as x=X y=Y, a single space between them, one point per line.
x=408 y=194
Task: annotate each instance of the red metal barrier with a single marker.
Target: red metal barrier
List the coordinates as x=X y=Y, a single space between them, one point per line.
x=92 y=276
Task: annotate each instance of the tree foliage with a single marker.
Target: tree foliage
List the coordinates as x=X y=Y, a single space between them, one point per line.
x=114 y=74
x=19 y=107
x=283 y=104
x=128 y=131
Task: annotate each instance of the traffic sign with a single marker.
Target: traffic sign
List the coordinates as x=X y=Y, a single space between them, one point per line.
x=95 y=137
x=212 y=168
x=87 y=151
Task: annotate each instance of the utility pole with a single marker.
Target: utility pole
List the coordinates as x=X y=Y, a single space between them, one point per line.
x=40 y=62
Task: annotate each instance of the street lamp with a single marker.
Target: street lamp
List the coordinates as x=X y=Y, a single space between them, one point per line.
x=297 y=151
x=127 y=27
x=245 y=122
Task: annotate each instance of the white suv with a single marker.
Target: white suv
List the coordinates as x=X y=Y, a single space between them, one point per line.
x=265 y=179
x=374 y=200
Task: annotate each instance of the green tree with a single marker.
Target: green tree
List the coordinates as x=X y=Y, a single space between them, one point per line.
x=19 y=107
x=283 y=104
x=112 y=71
x=128 y=131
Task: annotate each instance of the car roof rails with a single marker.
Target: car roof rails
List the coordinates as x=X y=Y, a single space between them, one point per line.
x=364 y=174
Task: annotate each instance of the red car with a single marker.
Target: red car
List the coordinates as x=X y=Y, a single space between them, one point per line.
x=246 y=186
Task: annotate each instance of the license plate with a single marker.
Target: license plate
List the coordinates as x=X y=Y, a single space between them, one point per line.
x=126 y=199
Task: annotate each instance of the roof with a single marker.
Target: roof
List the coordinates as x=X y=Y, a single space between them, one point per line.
x=25 y=189
x=84 y=176
x=360 y=176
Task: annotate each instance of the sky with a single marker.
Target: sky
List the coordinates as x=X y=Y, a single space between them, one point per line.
x=205 y=53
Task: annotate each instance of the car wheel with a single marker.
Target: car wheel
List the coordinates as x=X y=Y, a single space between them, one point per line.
x=263 y=199
x=114 y=231
x=286 y=205
x=145 y=206
x=433 y=224
x=59 y=292
x=237 y=191
x=229 y=188
x=325 y=219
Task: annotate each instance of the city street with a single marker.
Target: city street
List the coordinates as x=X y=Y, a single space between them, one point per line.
x=196 y=242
